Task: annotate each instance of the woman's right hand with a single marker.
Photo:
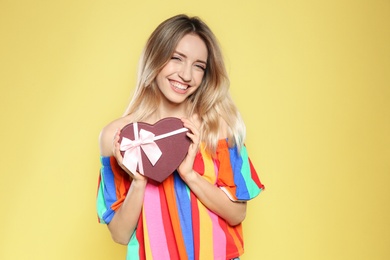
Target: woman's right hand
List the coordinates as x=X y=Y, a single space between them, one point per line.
x=119 y=158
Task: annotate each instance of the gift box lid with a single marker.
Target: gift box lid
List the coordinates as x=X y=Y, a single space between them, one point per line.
x=154 y=150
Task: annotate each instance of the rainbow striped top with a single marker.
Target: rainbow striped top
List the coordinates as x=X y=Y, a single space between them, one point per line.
x=174 y=224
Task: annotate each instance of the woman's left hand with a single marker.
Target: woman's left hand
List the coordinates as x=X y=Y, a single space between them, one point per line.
x=185 y=169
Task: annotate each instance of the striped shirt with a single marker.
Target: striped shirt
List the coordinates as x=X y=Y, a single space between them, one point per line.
x=174 y=224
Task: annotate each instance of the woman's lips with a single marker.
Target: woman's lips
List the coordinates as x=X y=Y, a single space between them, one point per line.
x=179 y=87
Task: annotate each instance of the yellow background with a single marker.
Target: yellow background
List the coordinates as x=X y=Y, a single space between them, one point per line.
x=311 y=78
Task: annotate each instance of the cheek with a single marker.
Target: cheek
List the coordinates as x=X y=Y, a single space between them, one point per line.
x=161 y=76
x=158 y=80
x=198 y=76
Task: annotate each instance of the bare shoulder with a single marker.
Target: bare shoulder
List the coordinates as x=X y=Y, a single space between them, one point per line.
x=108 y=133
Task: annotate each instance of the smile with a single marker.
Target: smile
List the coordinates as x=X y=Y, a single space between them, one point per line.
x=178 y=85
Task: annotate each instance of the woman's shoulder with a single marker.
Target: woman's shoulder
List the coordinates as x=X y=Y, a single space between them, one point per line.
x=108 y=132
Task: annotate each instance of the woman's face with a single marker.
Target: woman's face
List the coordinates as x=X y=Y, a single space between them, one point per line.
x=184 y=72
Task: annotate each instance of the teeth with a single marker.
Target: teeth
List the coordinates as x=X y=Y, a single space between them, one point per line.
x=179 y=86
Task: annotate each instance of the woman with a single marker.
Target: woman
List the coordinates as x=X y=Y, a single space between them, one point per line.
x=195 y=213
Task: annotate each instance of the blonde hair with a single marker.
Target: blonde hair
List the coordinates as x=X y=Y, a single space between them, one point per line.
x=210 y=101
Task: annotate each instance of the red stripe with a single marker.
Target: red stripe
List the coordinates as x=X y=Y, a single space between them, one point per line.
x=199 y=164
x=140 y=238
x=195 y=225
x=173 y=252
x=238 y=232
x=231 y=247
x=169 y=187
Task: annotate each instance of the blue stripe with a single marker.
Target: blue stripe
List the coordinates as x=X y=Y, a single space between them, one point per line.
x=236 y=163
x=109 y=189
x=185 y=214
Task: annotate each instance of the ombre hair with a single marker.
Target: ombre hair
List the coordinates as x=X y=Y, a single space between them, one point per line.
x=210 y=101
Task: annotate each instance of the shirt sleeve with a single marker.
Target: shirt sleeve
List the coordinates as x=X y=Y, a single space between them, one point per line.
x=113 y=185
x=236 y=175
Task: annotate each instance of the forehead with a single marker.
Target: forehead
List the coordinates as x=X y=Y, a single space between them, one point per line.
x=192 y=46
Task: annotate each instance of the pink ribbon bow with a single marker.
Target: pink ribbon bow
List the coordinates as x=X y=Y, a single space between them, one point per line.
x=132 y=148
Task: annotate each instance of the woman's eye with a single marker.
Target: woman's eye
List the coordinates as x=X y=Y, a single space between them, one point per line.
x=175 y=58
x=201 y=67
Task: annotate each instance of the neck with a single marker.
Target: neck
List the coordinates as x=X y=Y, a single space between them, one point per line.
x=170 y=110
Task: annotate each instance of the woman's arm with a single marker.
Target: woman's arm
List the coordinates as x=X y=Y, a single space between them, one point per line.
x=126 y=216
x=210 y=195
x=215 y=199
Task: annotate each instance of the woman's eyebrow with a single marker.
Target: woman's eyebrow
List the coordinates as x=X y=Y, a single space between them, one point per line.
x=185 y=56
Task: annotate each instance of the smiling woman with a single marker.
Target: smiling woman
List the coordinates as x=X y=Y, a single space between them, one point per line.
x=183 y=73
x=195 y=213
x=311 y=79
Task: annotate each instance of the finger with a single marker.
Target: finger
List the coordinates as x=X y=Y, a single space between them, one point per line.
x=193 y=136
x=187 y=123
x=193 y=129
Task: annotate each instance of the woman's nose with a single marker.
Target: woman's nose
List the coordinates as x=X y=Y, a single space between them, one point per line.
x=185 y=72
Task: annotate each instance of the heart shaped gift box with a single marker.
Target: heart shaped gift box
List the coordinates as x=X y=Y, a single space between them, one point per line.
x=154 y=150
